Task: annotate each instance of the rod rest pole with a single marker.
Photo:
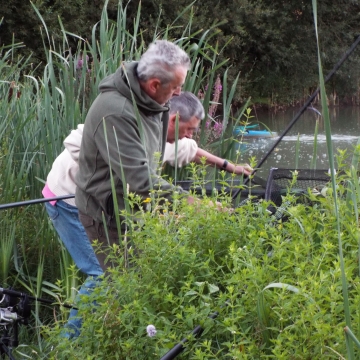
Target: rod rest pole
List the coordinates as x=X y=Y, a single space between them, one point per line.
x=18 y=294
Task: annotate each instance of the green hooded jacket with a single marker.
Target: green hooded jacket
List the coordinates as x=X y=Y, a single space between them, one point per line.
x=123 y=137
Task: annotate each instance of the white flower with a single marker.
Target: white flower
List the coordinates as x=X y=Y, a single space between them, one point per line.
x=151 y=331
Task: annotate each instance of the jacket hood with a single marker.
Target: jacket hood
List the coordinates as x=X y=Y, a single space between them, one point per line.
x=125 y=81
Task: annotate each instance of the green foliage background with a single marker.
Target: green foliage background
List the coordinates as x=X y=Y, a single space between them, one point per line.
x=271 y=43
x=275 y=285
x=283 y=290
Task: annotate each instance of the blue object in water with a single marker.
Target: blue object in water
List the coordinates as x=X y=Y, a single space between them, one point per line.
x=244 y=131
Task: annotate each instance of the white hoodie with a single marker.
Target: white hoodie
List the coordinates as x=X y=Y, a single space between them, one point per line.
x=61 y=178
x=186 y=152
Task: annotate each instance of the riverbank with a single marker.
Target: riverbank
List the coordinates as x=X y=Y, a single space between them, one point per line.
x=333 y=101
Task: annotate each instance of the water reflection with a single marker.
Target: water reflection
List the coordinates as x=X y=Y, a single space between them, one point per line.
x=345 y=128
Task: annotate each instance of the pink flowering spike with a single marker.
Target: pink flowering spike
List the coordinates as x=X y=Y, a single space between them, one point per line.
x=216 y=97
x=219 y=129
x=79 y=64
x=217 y=88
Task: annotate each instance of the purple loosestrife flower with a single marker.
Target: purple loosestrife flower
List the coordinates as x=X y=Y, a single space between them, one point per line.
x=217 y=88
x=216 y=97
x=80 y=62
x=151 y=331
x=218 y=127
x=212 y=109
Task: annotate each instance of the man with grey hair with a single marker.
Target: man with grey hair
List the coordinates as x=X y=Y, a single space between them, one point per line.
x=125 y=126
x=185 y=115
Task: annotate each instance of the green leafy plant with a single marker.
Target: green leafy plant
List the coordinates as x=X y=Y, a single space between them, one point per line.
x=282 y=289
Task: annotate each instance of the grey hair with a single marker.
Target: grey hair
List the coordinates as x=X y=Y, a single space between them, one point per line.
x=187 y=105
x=160 y=60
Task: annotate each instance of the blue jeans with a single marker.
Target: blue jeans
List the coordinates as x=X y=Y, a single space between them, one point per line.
x=66 y=222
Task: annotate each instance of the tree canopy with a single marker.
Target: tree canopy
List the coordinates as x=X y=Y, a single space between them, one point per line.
x=271 y=43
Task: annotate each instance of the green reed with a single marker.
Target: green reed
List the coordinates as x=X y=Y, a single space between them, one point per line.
x=338 y=226
x=41 y=112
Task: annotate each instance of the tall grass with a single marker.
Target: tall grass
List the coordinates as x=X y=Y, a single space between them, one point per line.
x=350 y=337
x=41 y=112
x=341 y=220
x=39 y=115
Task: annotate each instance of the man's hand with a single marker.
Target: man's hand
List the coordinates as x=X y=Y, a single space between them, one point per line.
x=242 y=169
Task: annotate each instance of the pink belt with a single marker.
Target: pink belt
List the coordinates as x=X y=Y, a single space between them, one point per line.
x=47 y=193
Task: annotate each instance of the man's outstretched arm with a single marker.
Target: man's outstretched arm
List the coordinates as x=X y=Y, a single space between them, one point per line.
x=220 y=163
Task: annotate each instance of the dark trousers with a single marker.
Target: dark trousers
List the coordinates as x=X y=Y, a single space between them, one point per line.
x=96 y=231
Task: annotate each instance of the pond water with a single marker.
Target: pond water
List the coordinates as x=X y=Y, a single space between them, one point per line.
x=345 y=129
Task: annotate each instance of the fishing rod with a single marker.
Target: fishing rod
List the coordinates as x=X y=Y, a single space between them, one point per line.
x=301 y=111
x=197 y=331
x=180 y=347
x=36 y=201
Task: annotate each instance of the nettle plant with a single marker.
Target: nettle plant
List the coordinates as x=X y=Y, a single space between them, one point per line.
x=276 y=285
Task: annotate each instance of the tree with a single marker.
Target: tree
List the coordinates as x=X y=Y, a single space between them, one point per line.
x=271 y=43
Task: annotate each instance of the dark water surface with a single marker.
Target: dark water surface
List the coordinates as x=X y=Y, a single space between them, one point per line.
x=345 y=129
